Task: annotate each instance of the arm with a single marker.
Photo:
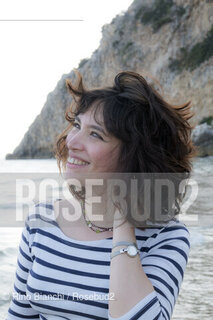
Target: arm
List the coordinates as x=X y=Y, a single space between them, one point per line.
x=147 y=287
x=19 y=305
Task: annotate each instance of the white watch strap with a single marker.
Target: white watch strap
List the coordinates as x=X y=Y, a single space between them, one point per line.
x=116 y=253
x=125 y=243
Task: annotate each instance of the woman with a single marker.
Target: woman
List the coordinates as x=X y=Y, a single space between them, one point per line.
x=111 y=268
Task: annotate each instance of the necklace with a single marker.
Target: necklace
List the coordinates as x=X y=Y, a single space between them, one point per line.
x=91 y=225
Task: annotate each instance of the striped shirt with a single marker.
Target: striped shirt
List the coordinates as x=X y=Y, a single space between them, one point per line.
x=62 y=278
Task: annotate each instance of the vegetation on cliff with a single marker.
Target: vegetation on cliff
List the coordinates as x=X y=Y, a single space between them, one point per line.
x=160 y=13
x=191 y=58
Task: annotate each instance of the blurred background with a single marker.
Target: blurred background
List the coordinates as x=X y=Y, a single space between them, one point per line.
x=170 y=41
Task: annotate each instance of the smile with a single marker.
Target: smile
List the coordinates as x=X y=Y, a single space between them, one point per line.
x=77 y=161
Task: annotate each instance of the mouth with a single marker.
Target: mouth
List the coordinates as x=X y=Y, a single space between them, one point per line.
x=76 y=163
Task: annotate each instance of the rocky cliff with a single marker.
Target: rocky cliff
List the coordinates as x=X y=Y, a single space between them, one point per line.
x=169 y=40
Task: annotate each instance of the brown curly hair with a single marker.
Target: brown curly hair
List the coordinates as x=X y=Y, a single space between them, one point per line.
x=155 y=135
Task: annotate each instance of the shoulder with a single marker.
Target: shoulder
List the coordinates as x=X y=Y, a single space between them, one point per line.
x=177 y=230
x=40 y=215
x=172 y=241
x=173 y=235
x=168 y=250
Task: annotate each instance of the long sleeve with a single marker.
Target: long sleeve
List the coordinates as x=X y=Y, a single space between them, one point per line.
x=164 y=259
x=20 y=307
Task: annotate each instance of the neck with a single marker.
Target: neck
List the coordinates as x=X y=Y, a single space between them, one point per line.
x=100 y=213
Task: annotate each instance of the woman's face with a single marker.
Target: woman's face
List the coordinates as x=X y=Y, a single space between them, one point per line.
x=89 y=141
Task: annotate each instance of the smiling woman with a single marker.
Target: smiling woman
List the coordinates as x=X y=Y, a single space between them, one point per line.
x=128 y=272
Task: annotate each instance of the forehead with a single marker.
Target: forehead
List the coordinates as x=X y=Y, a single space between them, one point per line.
x=94 y=114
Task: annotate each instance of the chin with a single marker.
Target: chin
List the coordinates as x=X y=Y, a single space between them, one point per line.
x=76 y=173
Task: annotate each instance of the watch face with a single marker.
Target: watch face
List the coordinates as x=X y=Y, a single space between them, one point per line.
x=132 y=251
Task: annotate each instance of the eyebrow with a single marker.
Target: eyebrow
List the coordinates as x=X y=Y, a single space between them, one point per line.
x=93 y=126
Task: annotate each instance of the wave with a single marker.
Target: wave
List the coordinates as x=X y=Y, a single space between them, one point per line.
x=8 y=252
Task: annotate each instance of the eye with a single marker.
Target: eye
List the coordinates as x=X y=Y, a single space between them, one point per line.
x=75 y=124
x=93 y=133
x=96 y=135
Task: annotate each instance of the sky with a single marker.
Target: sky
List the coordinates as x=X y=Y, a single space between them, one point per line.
x=35 y=54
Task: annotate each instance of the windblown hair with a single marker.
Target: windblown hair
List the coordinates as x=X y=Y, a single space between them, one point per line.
x=155 y=135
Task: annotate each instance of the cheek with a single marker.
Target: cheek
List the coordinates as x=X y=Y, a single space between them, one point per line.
x=100 y=157
x=106 y=159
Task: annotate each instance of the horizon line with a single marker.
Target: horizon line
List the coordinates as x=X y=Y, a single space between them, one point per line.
x=3 y=20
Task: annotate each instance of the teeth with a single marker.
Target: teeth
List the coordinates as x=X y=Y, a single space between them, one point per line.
x=75 y=161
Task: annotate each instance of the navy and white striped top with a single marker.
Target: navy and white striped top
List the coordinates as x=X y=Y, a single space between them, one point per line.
x=61 y=278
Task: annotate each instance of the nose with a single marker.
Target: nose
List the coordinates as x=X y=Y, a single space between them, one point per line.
x=75 y=141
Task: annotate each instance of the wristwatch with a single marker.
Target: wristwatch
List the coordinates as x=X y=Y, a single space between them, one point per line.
x=131 y=250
